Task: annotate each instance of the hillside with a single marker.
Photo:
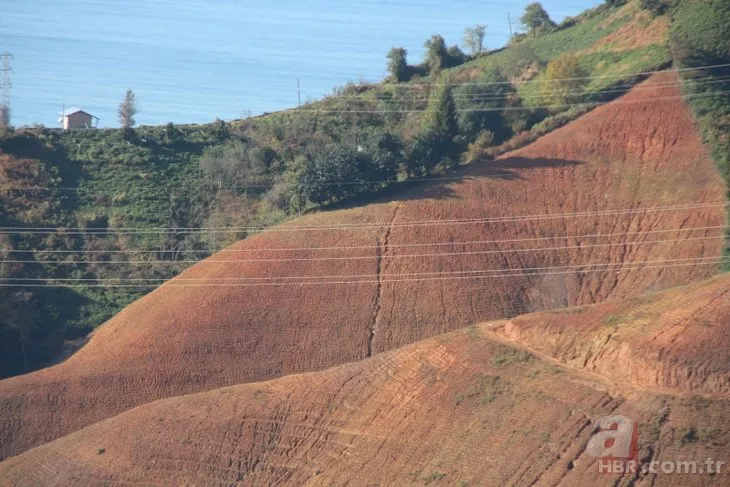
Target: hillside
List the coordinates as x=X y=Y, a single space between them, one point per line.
x=618 y=172
x=458 y=409
x=252 y=173
x=675 y=340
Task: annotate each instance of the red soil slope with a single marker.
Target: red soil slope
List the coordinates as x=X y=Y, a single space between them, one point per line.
x=633 y=153
x=459 y=409
x=676 y=340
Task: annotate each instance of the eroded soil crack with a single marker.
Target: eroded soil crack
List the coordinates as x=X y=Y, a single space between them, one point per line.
x=381 y=251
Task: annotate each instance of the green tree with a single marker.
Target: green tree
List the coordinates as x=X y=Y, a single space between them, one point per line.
x=563 y=80
x=233 y=164
x=398 y=64
x=441 y=116
x=127 y=110
x=430 y=148
x=478 y=149
x=219 y=129
x=479 y=105
x=474 y=38
x=536 y=18
x=454 y=56
x=333 y=176
x=656 y=7
x=4 y=116
x=436 y=144
x=286 y=194
x=437 y=54
x=387 y=156
x=171 y=133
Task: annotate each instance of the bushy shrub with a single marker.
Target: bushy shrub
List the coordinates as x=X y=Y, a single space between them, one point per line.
x=171 y=133
x=343 y=172
x=234 y=164
x=219 y=130
x=456 y=56
x=478 y=149
x=430 y=148
x=656 y=7
x=480 y=105
x=563 y=80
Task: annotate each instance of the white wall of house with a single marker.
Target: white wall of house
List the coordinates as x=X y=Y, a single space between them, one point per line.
x=77 y=120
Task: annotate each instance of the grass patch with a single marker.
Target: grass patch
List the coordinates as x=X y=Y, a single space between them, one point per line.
x=511 y=356
x=433 y=477
x=483 y=389
x=611 y=320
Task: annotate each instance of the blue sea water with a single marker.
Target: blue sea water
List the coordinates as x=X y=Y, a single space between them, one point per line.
x=190 y=61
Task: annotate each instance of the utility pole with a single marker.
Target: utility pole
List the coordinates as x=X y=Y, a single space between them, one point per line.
x=5 y=85
x=299 y=95
x=509 y=23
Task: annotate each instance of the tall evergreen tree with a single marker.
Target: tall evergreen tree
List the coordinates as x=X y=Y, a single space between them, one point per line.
x=442 y=116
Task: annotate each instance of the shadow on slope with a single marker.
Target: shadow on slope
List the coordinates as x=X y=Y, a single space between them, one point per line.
x=441 y=187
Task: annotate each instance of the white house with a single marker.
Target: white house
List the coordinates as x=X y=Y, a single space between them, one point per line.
x=76 y=118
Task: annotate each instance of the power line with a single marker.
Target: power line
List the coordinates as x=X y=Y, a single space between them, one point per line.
x=507 y=108
x=613 y=89
x=363 y=247
x=521 y=108
x=355 y=226
x=623 y=268
x=715 y=259
x=362 y=257
x=578 y=78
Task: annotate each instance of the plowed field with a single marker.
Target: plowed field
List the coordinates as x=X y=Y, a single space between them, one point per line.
x=599 y=195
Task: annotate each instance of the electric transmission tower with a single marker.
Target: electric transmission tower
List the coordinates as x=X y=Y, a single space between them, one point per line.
x=5 y=85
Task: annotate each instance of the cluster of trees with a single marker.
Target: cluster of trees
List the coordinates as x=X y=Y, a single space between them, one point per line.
x=535 y=19
x=318 y=161
x=236 y=163
x=438 y=57
x=343 y=171
x=657 y=7
x=28 y=336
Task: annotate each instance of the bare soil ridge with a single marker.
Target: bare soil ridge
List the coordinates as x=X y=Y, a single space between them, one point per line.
x=460 y=408
x=671 y=341
x=632 y=153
